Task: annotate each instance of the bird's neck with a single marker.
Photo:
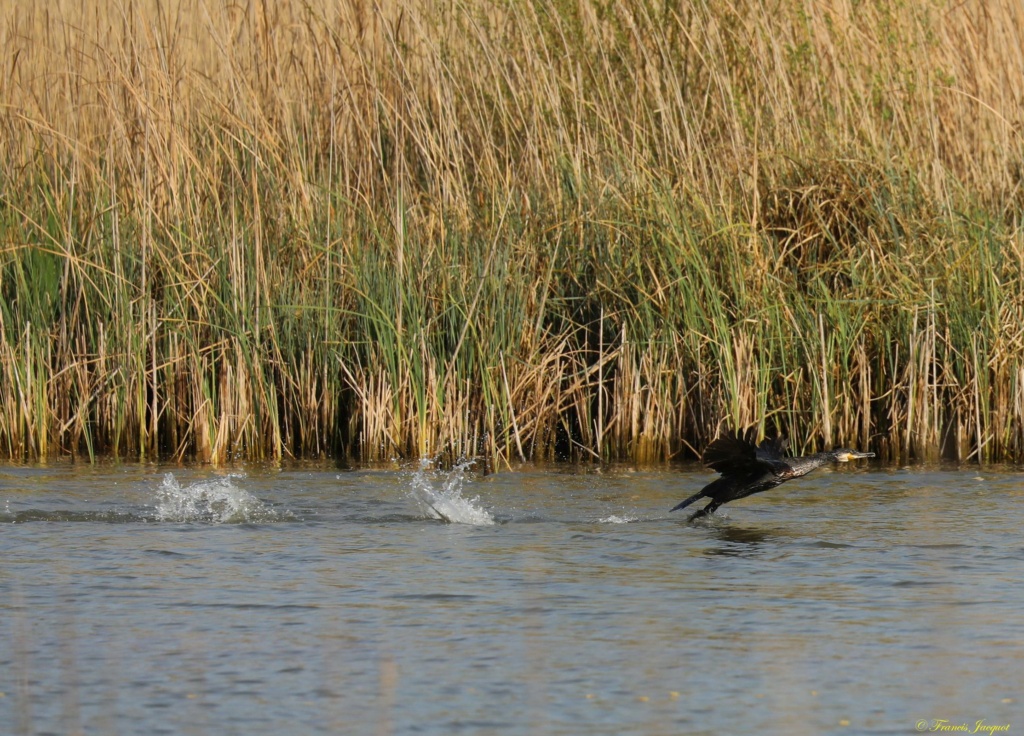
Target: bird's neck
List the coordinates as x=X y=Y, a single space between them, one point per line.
x=807 y=463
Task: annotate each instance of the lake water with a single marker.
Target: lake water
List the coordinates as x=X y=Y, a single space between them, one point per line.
x=147 y=599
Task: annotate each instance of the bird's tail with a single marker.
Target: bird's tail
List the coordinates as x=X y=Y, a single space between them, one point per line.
x=687 y=502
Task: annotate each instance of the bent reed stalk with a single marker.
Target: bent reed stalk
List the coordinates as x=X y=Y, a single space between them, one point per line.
x=511 y=228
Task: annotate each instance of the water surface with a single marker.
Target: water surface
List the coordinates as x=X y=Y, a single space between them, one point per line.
x=143 y=599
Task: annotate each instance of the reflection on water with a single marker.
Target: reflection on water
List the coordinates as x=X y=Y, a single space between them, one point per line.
x=142 y=599
x=738 y=540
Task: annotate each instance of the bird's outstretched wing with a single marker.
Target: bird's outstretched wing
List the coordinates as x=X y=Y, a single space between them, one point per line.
x=736 y=452
x=773 y=449
x=733 y=450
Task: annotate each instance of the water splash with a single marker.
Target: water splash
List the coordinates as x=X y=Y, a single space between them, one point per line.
x=217 y=501
x=613 y=519
x=439 y=494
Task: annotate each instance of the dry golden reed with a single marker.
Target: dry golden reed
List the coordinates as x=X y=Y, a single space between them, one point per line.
x=516 y=229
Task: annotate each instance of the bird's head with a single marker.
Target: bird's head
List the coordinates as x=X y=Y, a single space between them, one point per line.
x=845 y=455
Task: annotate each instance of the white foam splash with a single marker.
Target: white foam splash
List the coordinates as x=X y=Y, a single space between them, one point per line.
x=439 y=494
x=217 y=501
x=613 y=519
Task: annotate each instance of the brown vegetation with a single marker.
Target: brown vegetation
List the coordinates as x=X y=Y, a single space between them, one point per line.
x=518 y=229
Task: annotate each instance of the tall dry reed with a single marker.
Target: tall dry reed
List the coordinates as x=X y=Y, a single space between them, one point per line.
x=518 y=229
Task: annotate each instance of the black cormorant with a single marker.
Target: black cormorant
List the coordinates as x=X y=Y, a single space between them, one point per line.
x=749 y=468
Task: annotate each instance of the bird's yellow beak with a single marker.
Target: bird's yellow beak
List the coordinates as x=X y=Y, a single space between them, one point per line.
x=846 y=456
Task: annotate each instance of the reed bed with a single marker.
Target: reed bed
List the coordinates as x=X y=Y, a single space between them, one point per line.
x=513 y=229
